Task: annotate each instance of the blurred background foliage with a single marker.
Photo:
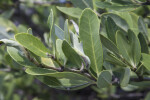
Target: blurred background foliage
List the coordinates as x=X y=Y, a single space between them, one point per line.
x=18 y=16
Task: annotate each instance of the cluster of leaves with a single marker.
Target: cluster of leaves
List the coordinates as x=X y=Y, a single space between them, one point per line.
x=103 y=49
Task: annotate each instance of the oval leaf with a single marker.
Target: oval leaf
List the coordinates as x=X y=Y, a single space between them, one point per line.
x=104 y=79
x=73 y=12
x=18 y=57
x=32 y=43
x=89 y=35
x=71 y=54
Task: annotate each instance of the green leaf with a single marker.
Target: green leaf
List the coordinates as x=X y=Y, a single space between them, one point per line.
x=142 y=27
x=71 y=54
x=60 y=54
x=146 y=60
x=66 y=31
x=131 y=19
x=62 y=84
x=47 y=62
x=144 y=44
x=61 y=80
x=111 y=29
x=59 y=32
x=104 y=79
x=119 y=21
x=50 y=22
x=83 y=3
x=143 y=84
x=89 y=35
x=32 y=43
x=114 y=60
x=73 y=12
x=109 y=44
x=124 y=76
x=116 y=6
x=17 y=55
x=129 y=48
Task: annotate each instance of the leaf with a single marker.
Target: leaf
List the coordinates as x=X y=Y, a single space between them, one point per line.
x=75 y=26
x=146 y=60
x=143 y=84
x=32 y=43
x=47 y=62
x=109 y=44
x=66 y=31
x=123 y=74
x=71 y=54
x=77 y=46
x=104 y=79
x=116 y=6
x=89 y=36
x=111 y=29
x=62 y=80
x=142 y=27
x=83 y=3
x=73 y=12
x=8 y=42
x=50 y=21
x=143 y=43
x=131 y=19
x=60 y=54
x=114 y=60
x=119 y=21
x=129 y=48
x=62 y=84
x=59 y=32
x=17 y=55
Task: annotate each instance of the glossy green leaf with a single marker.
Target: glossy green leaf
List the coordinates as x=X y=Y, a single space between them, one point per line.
x=129 y=48
x=109 y=44
x=146 y=60
x=144 y=44
x=104 y=79
x=59 y=32
x=32 y=43
x=73 y=12
x=71 y=54
x=89 y=35
x=17 y=55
